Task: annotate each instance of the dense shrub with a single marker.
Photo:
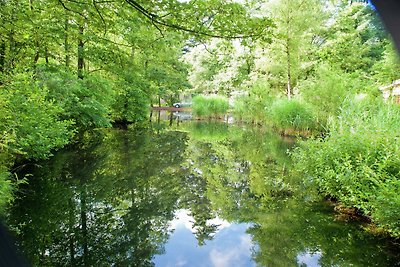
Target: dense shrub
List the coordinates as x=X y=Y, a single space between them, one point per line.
x=32 y=119
x=291 y=115
x=85 y=101
x=6 y=139
x=359 y=162
x=328 y=89
x=30 y=127
x=5 y=189
x=209 y=106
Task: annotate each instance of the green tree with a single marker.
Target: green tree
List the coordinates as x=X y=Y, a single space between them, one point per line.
x=355 y=40
x=386 y=70
x=297 y=24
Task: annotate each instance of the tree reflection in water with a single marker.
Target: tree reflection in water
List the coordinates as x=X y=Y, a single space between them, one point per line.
x=112 y=200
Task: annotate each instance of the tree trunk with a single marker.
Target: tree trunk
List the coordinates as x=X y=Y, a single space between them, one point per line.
x=37 y=53
x=11 y=57
x=66 y=43
x=46 y=54
x=37 y=43
x=81 y=55
x=288 y=53
x=2 y=55
x=171 y=118
x=289 y=71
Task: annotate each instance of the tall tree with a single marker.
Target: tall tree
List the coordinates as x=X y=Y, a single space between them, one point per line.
x=297 y=24
x=355 y=40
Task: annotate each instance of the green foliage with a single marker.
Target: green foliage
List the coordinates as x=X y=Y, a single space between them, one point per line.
x=290 y=52
x=252 y=107
x=209 y=106
x=291 y=115
x=30 y=127
x=354 y=41
x=131 y=103
x=6 y=186
x=6 y=140
x=169 y=78
x=95 y=100
x=84 y=101
x=328 y=89
x=358 y=163
x=32 y=119
x=220 y=68
x=387 y=69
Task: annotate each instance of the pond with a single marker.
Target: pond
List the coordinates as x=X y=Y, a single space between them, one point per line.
x=187 y=194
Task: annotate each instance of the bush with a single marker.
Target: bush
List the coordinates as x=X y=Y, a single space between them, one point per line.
x=359 y=162
x=291 y=115
x=30 y=127
x=209 y=106
x=327 y=91
x=85 y=101
x=5 y=189
x=6 y=160
x=32 y=119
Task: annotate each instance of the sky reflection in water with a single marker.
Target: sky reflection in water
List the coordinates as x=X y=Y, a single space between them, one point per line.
x=231 y=245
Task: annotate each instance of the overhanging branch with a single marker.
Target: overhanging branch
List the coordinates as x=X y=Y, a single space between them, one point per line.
x=155 y=20
x=69 y=9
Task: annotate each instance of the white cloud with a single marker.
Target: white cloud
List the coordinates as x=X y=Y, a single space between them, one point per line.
x=234 y=256
x=310 y=259
x=183 y=219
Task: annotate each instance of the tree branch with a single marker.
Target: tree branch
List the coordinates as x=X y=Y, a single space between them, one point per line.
x=101 y=16
x=155 y=20
x=70 y=10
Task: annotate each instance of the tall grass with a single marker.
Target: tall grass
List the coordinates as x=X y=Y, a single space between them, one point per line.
x=251 y=107
x=209 y=106
x=291 y=115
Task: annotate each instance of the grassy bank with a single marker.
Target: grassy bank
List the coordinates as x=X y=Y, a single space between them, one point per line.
x=358 y=163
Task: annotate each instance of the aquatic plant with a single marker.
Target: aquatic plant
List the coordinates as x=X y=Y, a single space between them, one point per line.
x=210 y=106
x=291 y=115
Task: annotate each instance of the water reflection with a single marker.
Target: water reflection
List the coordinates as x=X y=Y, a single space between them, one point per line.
x=230 y=246
x=197 y=194
x=309 y=258
x=183 y=219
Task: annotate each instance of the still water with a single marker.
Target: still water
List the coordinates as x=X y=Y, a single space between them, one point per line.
x=193 y=194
